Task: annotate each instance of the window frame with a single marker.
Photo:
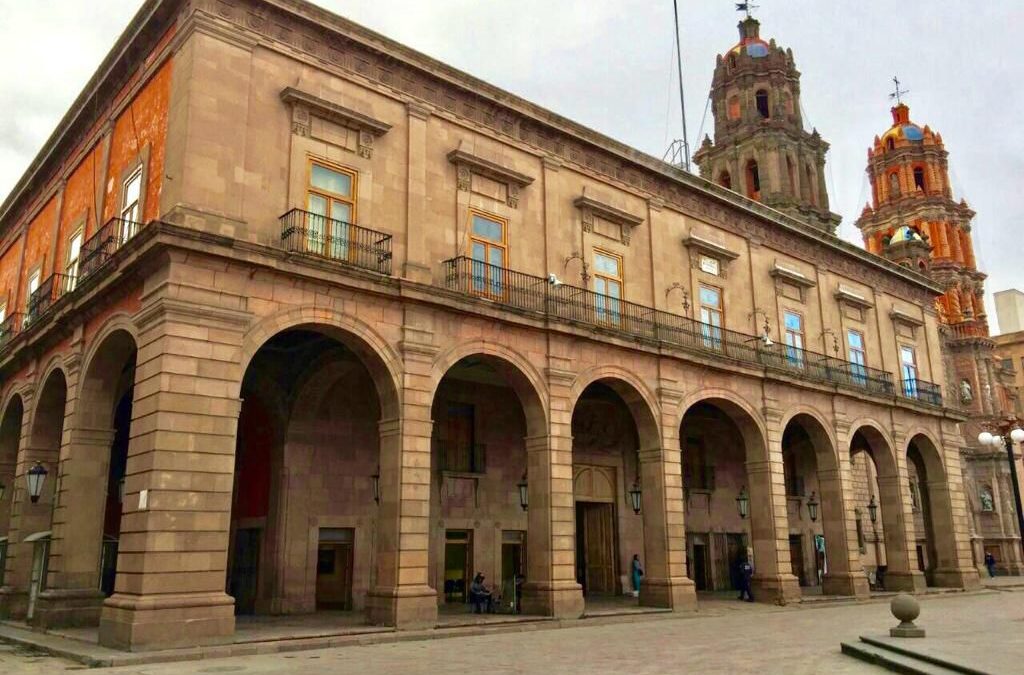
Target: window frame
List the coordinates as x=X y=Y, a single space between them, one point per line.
x=858 y=369
x=909 y=388
x=342 y=250
x=794 y=353
x=711 y=333
x=129 y=227
x=69 y=262
x=489 y=284
x=608 y=308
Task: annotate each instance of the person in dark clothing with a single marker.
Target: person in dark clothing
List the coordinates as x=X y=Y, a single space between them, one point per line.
x=990 y=564
x=480 y=595
x=744 y=574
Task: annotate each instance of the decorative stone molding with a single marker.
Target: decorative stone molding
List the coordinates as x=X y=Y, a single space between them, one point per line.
x=899 y=316
x=847 y=295
x=789 y=275
x=590 y=207
x=467 y=163
x=697 y=245
x=306 y=105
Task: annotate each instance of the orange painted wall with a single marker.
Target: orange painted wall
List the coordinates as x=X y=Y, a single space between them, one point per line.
x=142 y=123
x=38 y=242
x=79 y=202
x=9 y=275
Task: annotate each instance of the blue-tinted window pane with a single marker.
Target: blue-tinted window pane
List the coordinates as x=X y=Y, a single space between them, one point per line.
x=487 y=228
x=793 y=322
x=332 y=181
x=606 y=264
x=855 y=339
x=710 y=297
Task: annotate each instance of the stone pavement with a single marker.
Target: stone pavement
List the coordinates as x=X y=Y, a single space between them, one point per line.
x=983 y=630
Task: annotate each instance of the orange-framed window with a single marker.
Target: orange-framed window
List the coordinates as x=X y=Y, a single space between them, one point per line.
x=331 y=204
x=711 y=308
x=74 y=253
x=488 y=248
x=608 y=286
x=793 y=324
x=131 y=205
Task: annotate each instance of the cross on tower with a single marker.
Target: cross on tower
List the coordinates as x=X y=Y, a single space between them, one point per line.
x=897 y=95
x=746 y=7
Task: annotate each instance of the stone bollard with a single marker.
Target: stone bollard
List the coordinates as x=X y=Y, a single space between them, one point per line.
x=906 y=609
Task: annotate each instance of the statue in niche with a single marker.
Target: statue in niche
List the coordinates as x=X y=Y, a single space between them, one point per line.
x=985 y=497
x=966 y=392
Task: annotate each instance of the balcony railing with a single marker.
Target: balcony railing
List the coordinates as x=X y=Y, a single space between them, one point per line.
x=922 y=390
x=98 y=248
x=10 y=327
x=570 y=303
x=50 y=291
x=313 y=234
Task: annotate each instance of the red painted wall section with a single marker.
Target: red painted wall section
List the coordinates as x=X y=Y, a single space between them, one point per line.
x=142 y=126
x=9 y=275
x=79 y=207
x=37 y=248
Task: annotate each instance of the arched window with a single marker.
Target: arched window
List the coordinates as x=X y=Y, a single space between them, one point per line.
x=732 y=61
x=725 y=180
x=894 y=184
x=761 y=97
x=890 y=144
x=734 y=107
x=753 y=181
x=919 y=178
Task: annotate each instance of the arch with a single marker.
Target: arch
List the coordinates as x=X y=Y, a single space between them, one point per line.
x=517 y=370
x=725 y=180
x=753 y=180
x=920 y=182
x=633 y=392
x=890 y=144
x=761 y=99
x=879 y=444
x=109 y=354
x=740 y=411
x=931 y=456
x=817 y=427
x=119 y=322
x=373 y=350
x=47 y=417
x=734 y=111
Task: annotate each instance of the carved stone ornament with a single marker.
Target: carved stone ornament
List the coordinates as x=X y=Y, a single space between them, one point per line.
x=698 y=246
x=305 y=105
x=590 y=207
x=467 y=163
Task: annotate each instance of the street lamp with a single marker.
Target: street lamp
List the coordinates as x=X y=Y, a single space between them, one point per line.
x=873 y=510
x=35 y=476
x=120 y=491
x=524 y=494
x=743 y=503
x=1015 y=435
x=634 y=496
x=376 y=485
x=812 y=508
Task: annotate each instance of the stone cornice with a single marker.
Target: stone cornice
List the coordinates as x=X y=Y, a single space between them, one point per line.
x=792 y=276
x=333 y=112
x=709 y=247
x=488 y=168
x=852 y=297
x=607 y=211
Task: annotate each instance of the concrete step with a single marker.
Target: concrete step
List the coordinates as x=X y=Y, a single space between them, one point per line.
x=898 y=659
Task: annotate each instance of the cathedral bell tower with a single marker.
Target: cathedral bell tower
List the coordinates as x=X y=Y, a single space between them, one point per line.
x=761 y=149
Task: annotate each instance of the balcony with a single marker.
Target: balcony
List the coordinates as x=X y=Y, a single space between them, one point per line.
x=581 y=306
x=922 y=390
x=10 y=327
x=98 y=248
x=316 y=235
x=49 y=292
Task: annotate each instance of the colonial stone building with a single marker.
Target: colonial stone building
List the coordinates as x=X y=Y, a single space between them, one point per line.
x=296 y=317
x=915 y=221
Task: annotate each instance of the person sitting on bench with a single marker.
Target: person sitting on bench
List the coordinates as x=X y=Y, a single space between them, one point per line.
x=480 y=595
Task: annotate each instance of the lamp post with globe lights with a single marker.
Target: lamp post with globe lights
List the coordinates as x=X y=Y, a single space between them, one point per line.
x=1007 y=437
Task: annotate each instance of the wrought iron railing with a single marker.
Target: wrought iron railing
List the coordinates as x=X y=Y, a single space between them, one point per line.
x=922 y=390
x=98 y=248
x=50 y=291
x=570 y=303
x=313 y=234
x=10 y=327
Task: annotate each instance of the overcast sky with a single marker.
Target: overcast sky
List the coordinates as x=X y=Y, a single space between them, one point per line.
x=609 y=64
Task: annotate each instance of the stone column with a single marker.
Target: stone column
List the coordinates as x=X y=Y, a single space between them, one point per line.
x=416 y=265
x=954 y=566
x=845 y=573
x=175 y=524
x=551 y=588
x=898 y=524
x=402 y=596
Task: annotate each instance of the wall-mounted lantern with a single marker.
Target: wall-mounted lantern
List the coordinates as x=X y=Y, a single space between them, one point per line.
x=35 y=477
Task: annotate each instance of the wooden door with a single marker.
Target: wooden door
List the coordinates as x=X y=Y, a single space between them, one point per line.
x=334 y=575
x=599 y=549
x=796 y=557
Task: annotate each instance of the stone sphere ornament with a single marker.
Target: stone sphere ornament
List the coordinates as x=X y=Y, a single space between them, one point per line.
x=905 y=608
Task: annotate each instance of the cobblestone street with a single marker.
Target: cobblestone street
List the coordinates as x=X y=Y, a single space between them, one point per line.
x=980 y=630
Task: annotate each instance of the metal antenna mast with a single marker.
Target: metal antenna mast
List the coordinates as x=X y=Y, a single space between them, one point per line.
x=675 y=150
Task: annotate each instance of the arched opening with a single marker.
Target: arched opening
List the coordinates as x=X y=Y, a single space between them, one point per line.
x=871 y=506
x=934 y=538
x=919 y=180
x=753 y=180
x=10 y=437
x=732 y=61
x=725 y=180
x=483 y=411
x=818 y=542
x=734 y=107
x=37 y=519
x=894 y=184
x=761 y=99
x=890 y=144
x=715 y=451
x=611 y=424
x=305 y=514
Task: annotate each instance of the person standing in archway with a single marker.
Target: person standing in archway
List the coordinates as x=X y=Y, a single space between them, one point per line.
x=638 y=573
x=746 y=573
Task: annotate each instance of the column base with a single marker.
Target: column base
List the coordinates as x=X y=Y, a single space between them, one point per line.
x=906 y=582
x=966 y=578
x=846 y=584
x=776 y=590
x=404 y=607
x=68 y=608
x=147 y=622
x=560 y=599
x=677 y=594
x=13 y=603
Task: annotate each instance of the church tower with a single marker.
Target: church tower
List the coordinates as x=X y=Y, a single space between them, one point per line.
x=761 y=149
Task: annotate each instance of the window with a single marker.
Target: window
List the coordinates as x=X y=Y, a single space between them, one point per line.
x=858 y=359
x=753 y=180
x=131 y=200
x=710 y=299
x=33 y=286
x=725 y=180
x=761 y=97
x=698 y=472
x=890 y=144
x=919 y=178
x=608 y=285
x=894 y=183
x=794 y=327
x=709 y=265
x=908 y=370
x=487 y=248
x=74 y=252
x=3 y=313
x=330 y=201
x=459 y=450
